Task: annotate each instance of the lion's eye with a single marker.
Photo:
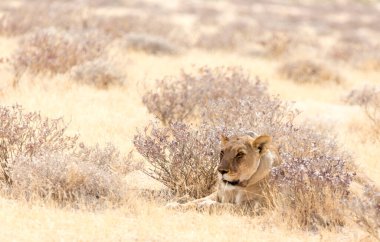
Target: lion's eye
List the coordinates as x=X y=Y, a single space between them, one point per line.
x=221 y=154
x=240 y=155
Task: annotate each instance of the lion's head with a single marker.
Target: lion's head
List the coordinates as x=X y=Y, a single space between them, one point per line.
x=240 y=157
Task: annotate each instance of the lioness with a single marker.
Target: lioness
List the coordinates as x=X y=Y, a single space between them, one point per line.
x=245 y=163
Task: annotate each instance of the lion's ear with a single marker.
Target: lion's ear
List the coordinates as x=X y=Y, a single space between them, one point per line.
x=224 y=139
x=262 y=142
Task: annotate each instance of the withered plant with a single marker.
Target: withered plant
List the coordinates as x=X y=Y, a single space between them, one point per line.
x=372 y=110
x=54 y=51
x=40 y=161
x=306 y=71
x=28 y=134
x=149 y=43
x=99 y=72
x=368 y=98
x=31 y=16
x=180 y=99
x=182 y=157
x=309 y=186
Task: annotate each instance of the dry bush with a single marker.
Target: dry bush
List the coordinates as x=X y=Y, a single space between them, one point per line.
x=306 y=71
x=181 y=157
x=27 y=134
x=368 y=60
x=149 y=43
x=233 y=35
x=67 y=178
x=311 y=160
x=313 y=181
x=367 y=97
x=98 y=72
x=342 y=51
x=217 y=41
x=31 y=16
x=361 y=55
x=372 y=110
x=362 y=96
x=53 y=51
x=150 y=25
x=180 y=99
x=262 y=114
x=277 y=44
x=365 y=211
x=39 y=161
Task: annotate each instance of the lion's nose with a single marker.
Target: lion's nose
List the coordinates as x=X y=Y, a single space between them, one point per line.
x=222 y=171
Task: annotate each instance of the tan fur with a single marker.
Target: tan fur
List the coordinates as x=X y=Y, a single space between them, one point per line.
x=244 y=166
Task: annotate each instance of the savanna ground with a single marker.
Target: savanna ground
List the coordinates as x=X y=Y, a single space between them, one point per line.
x=92 y=62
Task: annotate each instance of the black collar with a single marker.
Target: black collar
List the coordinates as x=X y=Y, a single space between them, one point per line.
x=232 y=183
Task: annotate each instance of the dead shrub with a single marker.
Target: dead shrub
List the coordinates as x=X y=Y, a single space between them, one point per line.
x=368 y=98
x=230 y=36
x=67 y=178
x=40 y=161
x=366 y=211
x=277 y=44
x=181 y=157
x=372 y=110
x=217 y=41
x=313 y=181
x=362 y=96
x=311 y=187
x=179 y=99
x=117 y=27
x=306 y=71
x=262 y=114
x=361 y=55
x=149 y=43
x=32 y=16
x=149 y=25
x=344 y=51
x=369 y=60
x=53 y=51
x=98 y=72
x=311 y=160
x=27 y=134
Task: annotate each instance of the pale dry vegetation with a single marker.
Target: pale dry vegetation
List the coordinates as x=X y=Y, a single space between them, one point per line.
x=181 y=99
x=99 y=72
x=34 y=15
x=183 y=158
x=306 y=71
x=368 y=98
x=39 y=161
x=150 y=44
x=164 y=79
x=53 y=51
x=182 y=154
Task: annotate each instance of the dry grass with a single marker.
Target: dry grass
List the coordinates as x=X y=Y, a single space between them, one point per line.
x=181 y=99
x=306 y=71
x=218 y=33
x=182 y=158
x=372 y=110
x=182 y=154
x=144 y=222
x=39 y=161
x=149 y=43
x=53 y=51
x=368 y=97
x=99 y=72
x=32 y=16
